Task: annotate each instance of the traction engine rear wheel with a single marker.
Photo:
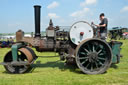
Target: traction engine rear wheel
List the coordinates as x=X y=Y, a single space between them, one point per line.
x=93 y=56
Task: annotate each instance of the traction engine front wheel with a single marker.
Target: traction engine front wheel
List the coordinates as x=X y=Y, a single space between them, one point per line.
x=24 y=55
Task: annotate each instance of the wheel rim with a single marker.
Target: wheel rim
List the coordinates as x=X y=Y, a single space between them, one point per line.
x=93 y=56
x=23 y=55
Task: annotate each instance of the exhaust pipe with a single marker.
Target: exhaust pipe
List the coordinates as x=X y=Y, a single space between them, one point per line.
x=37 y=20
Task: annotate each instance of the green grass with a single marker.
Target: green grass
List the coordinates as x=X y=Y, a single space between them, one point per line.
x=51 y=71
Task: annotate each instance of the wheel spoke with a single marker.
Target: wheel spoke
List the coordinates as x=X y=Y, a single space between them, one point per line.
x=97 y=46
x=86 y=50
x=84 y=61
x=101 y=58
x=99 y=51
x=96 y=64
x=100 y=62
x=83 y=53
x=101 y=46
x=87 y=65
x=89 y=47
x=93 y=47
x=91 y=67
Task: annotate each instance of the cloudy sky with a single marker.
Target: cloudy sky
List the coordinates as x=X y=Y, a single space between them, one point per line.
x=19 y=14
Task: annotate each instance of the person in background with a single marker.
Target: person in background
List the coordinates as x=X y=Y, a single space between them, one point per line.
x=11 y=40
x=8 y=42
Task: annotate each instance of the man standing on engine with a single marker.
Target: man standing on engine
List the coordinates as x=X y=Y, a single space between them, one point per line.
x=102 y=26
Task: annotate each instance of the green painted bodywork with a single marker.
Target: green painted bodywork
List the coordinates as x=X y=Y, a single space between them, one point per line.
x=15 y=48
x=116 y=51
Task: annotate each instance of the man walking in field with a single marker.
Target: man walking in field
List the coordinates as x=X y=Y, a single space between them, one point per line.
x=102 y=26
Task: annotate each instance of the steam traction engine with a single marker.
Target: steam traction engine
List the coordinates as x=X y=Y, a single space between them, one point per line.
x=92 y=55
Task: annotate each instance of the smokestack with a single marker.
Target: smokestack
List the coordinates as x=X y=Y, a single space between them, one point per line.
x=37 y=20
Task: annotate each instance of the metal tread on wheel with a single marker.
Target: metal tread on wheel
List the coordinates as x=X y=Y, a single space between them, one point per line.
x=93 y=56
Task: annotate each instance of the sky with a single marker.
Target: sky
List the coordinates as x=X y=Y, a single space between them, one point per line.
x=19 y=14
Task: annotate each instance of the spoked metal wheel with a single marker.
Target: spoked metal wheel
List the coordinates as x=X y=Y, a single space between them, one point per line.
x=93 y=56
x=24 y=54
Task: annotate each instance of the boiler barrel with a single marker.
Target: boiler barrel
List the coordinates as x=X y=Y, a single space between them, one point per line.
x=37 y=20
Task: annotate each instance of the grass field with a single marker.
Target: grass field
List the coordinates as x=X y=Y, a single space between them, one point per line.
x=51 y=71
